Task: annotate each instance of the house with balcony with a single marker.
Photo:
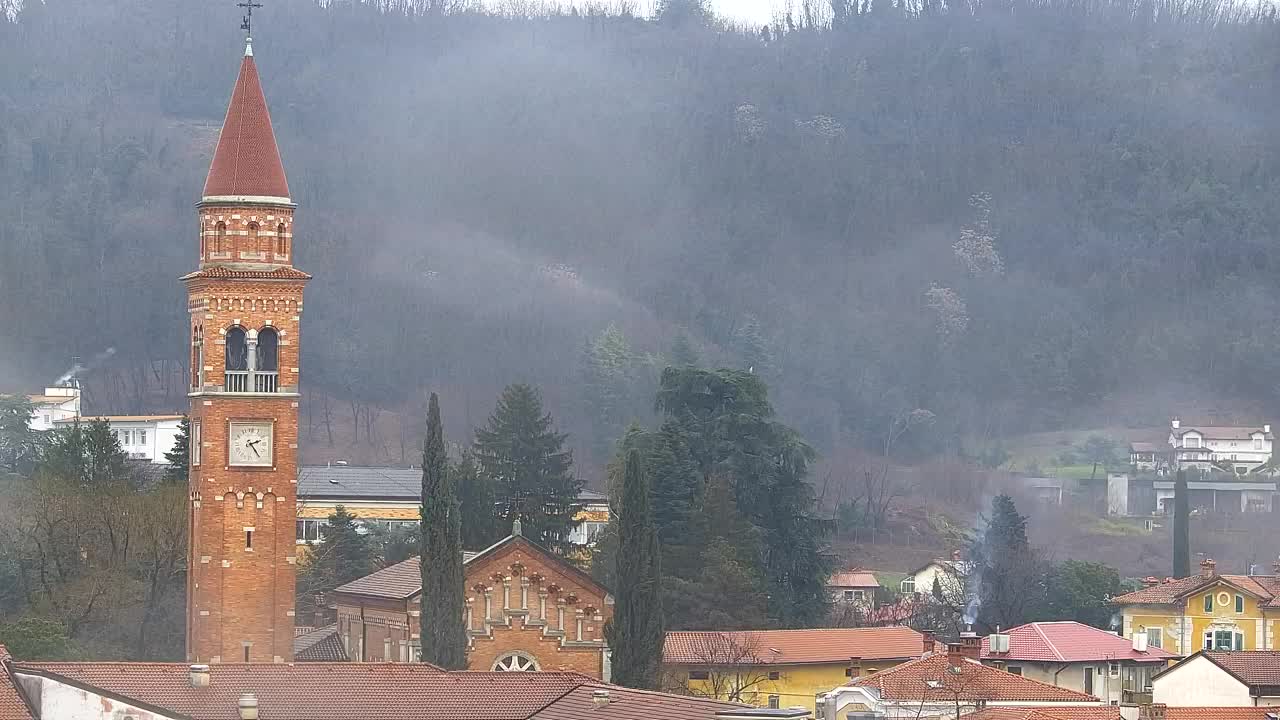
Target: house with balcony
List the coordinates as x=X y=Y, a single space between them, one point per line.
x=1075 y=656
x=1239 y=449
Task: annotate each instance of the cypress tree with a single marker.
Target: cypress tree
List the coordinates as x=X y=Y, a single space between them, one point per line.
x=1181 y=527
x=636 y=633
x=444 y=641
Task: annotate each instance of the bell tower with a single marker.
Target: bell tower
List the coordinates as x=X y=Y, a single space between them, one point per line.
x=245 y=304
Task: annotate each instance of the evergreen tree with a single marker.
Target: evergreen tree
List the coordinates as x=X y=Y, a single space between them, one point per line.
x=636 y=633
x=751 y=347
x=480 y=527
x=1181 y=527
x=444 y=641
x=683 y=353
x=524 y=457
x=1010 y=577
x=19 y=444
x=343 y=554
x=676 y=488
x=725 y=419
x=608 y=384
x=178 y=470
x=88 y=454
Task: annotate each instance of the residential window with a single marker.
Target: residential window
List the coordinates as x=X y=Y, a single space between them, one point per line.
x=859 y=595
x=1223 y=640
x=142 y=437
x=848 y=596
x=308 y=530
x=1191 y=442
x=1155 y=637
x=1113 y=669
x=1014 y=669
x=386 y=649
x=1208 y=603
x=774 y=675
x=1239 y=603
x=126 y=437
x=699 y=675
x=195 y=443
x=908 y=586
x=1257 y=443
x=774 y=701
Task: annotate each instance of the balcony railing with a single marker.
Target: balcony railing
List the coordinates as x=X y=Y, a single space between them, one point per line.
x=264 y=382
x=243 y=381
x=236 y=381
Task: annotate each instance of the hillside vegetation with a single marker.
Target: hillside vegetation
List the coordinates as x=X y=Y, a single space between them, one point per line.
x=925 y=227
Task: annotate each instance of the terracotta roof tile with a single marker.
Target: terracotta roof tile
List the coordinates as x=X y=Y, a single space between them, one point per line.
x=1265 y=587
x=220 y=272
x=1105 y=712
x=1253 y=667
x=12 y=706
x=319 y=645
x=933 y=679
x=853 y=579
x=1221 y=713
x=1069 y=641
x=325 y=691
x=628 y=704
x=785 y=647
x=247 y=161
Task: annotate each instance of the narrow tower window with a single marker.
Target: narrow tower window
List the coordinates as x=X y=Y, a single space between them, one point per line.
x=237 y=350
x=281 y=247
x=220 y=237
x=248 y=539
x=268 y=344
x=253 y=238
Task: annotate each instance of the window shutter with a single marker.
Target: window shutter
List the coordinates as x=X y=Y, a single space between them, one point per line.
x=1239 y=645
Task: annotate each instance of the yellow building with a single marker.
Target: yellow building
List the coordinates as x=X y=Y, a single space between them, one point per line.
x=391 y=497
x=1207 y=611
x=782 y=668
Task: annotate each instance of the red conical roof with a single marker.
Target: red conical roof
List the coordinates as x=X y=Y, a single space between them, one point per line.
x=247 y=161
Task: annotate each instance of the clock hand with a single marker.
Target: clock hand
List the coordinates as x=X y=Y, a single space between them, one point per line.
x=254 y=449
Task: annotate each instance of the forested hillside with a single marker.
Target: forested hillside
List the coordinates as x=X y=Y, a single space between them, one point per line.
x=922 y=226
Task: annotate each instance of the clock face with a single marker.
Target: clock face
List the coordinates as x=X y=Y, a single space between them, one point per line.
x=251 y=444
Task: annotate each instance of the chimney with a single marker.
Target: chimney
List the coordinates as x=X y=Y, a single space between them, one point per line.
x=1266 y=428
x=199 y=676
x=970 y=646
x=855 y=667
x=1154 y=711
x=248 y=706
x=1175 y=423
x=930 y=641
x=599 y=698
x=1208 y=568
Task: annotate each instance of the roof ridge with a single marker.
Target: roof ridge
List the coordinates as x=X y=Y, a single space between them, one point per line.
x=1049 y=643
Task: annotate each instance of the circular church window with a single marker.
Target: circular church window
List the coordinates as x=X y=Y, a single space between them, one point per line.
x=516 y=662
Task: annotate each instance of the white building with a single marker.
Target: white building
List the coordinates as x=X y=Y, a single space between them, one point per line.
x=952 y=576
x=142 y=437
x=54 y=405
x=1244 y=449
x=1224 y=679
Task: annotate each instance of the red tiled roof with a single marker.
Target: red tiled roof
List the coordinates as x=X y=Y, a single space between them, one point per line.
x=787 y=647
x=1069 y=641
x=628 y=704
x=1252 y=667
x=1264 y=587
x=934 y=679
x=1220 y=713
x=324 y=691
x=319 y=645
x=221 y=272
x=12 y=706
x=247 y=161
x=1103 y=712
x=853 y=579
x=371 y=691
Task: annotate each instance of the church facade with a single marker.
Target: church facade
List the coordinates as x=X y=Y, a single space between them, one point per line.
x=526 y=609
x=245 y=305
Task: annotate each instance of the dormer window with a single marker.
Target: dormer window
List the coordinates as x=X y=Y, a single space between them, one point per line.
x=1191 y=441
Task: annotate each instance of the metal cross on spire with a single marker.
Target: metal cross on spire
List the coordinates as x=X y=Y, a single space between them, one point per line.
x=246 y=24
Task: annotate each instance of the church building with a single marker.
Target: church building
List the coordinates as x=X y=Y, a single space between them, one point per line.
x=245 y=303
